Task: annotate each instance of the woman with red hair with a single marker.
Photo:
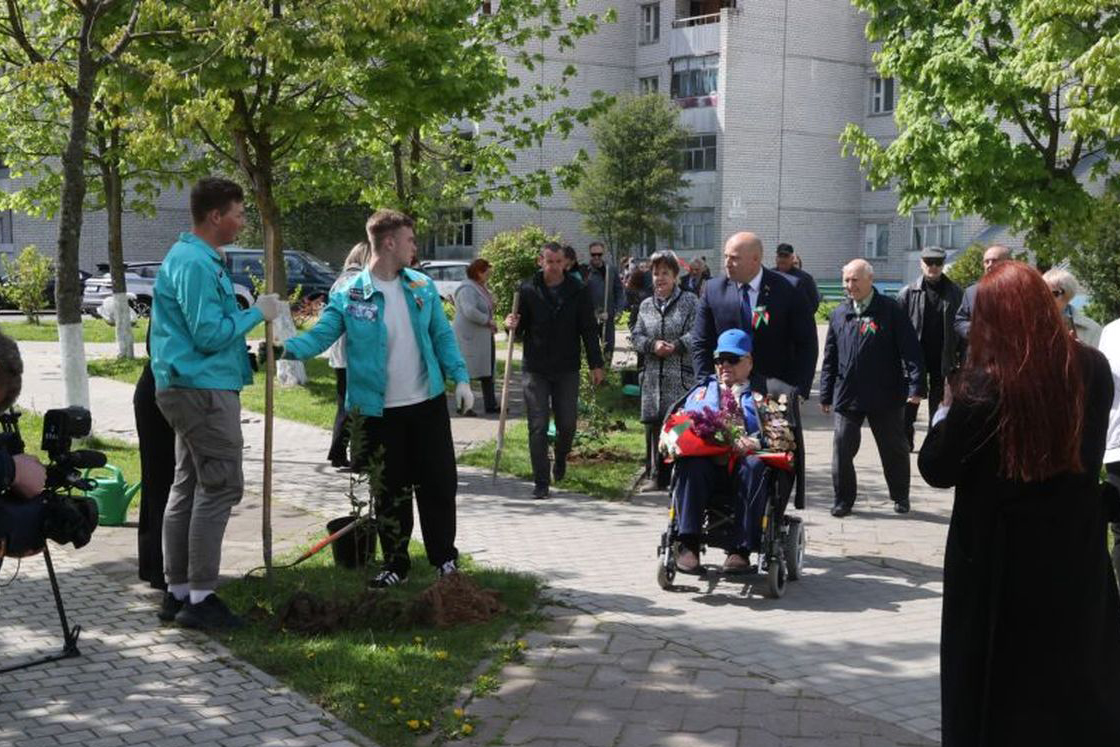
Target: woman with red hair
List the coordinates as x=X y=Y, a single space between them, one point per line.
x=1030 y=627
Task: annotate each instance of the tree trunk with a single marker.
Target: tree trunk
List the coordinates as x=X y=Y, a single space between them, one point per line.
x=114 y=207
x=67 y=284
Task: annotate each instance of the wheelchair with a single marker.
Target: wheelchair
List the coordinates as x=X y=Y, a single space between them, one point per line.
x=781 y=553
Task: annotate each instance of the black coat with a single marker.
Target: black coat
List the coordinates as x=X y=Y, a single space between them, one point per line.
x=912 y=299
x=963 y=320
x=785 y=342
x=807 y=285
x=1030 y=624
x=872 y=362
x=552 y=333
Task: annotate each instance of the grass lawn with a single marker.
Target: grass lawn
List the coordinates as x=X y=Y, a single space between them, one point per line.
x=604 y=469
x=93 y=330
x=396 y=685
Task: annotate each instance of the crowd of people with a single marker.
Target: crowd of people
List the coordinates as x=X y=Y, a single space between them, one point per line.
x=1024 y=414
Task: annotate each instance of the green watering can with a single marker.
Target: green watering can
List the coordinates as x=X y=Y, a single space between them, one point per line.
x=112 y=496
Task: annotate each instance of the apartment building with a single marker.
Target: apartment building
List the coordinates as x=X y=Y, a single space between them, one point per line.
x=765 y=86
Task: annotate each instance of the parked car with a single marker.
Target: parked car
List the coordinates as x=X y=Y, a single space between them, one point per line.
x=139 y=278
x=314 y=276
x=48 y=290
x=447 y=274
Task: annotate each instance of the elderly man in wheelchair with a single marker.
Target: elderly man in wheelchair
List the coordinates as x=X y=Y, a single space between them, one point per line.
x=733 y=456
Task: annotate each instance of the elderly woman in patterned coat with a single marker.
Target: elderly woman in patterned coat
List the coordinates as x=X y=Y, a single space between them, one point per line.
x=663 y=336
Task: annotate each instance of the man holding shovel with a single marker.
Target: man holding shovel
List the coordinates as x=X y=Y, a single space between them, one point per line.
x=605 y=288
x=555 y=313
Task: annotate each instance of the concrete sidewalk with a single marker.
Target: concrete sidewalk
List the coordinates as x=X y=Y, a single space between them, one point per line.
x=848 y=657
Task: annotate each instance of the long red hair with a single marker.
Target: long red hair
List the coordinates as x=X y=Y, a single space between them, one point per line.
x=1019 y=347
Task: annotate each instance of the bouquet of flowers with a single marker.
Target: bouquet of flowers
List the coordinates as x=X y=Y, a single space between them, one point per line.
x=709 y=432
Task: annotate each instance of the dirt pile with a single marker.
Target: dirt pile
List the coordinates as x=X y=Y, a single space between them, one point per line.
x=450 y=601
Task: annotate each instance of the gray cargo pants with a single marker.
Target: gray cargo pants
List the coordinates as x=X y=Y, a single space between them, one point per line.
x=208 y=482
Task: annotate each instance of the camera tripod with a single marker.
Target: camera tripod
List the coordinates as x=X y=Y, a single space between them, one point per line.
x=69 y=635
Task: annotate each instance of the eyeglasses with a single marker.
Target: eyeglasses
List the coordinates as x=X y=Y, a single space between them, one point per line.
x=728 y=360
x=594 y=254
x=1057 y=292
x=934 y=262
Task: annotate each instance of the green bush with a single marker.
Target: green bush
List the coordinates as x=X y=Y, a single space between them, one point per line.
x=448 y=309
x=513 y=259
x=824 y=311
x=967 y=267
x=26 y=285
x=1096 y=259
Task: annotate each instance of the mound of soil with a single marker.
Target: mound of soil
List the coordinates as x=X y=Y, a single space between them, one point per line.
x=450 y=601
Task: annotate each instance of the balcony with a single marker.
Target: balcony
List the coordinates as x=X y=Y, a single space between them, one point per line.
x=704 y=20
x=695 y=35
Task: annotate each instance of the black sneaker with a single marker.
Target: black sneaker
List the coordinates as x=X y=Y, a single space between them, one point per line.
x=209 y=614
x=559 y=469
x=385 y=579
x=169 y=606
x=540 y=493
x=902 y=507
x=841 y=510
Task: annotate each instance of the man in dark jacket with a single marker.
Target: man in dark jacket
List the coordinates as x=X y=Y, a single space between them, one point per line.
x=554 y=314
x=993 y=255
x=931 y=302
x=870 y=344
x=783 y=263
x=599 y=275
x=764 y=303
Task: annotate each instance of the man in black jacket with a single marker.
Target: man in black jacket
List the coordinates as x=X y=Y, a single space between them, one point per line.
x=931 y=302
x=765 y=304
x=993 y=255
x=554 y=314
x=783 y=263
x=870 y=344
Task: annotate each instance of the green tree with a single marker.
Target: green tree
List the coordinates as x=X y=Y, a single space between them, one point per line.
x=967 y=266
x=26 y=278
x=513 y=259
x=631 y=191
x=1002 y=104
x=68 y=47
x=1096 y=261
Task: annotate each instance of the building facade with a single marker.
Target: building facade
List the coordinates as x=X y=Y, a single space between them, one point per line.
x=765 y=87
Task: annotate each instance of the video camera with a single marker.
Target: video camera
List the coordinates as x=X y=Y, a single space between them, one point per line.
x=56 y=514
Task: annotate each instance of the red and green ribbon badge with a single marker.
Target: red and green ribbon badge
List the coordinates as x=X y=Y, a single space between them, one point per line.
x=759 y=317
x=867 y=327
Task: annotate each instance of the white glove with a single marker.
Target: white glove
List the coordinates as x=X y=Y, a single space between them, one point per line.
x=464 y=397
x=269 y=305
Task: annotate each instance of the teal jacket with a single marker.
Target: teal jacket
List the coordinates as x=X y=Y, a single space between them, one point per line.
x=198 y=332
x=357 y=309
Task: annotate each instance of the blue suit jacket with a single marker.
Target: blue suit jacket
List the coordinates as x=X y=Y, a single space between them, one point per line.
x=785 y=344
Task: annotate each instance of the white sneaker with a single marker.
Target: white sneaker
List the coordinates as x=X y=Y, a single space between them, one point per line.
x=447 y=569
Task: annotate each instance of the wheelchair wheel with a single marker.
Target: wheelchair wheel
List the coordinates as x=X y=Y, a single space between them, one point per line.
x=794 y=547
x=667 y=568
x=776 y=577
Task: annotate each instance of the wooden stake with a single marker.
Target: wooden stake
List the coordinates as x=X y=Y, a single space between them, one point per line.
x=505 y=391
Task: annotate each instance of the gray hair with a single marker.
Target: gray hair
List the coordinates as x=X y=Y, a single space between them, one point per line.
x=667 y=258
x=1063 y=280
x=358 y=256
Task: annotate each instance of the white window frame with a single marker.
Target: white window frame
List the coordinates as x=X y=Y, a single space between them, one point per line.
x=696 y=229
x=449 y=232
x=650 y=29
x=693 y=77
x=6 y=229
x=935 y=228
x=649 y=84
x=699 y=152
x=876 y=240
x=882 y=95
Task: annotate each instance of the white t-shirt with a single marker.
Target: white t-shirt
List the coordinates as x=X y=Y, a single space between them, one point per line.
x=407 y=378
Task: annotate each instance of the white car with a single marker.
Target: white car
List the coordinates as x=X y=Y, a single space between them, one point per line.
x=447 y=274
x=139 y=278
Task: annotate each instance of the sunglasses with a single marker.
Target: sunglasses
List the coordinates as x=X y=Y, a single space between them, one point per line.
x=728 y=360
x=934 y=262
x=600 y=254
x=1057 y=292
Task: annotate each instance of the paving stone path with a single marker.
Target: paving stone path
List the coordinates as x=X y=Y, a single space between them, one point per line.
x=847 y=657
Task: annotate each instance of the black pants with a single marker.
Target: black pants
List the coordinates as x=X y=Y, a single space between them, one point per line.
x=890 y=437
x=936 y=394
x=340 y=433
x=545 y=395
x=489 y=401
x=157 y=472
x=1113 y=469
x=656 y=468
x=419 y=455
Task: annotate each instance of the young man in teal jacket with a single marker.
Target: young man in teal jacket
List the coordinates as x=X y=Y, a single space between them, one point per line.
x=399 y=348
x=200 y=364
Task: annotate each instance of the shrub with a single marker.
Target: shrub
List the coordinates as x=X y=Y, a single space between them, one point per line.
x=513 y=258
x=26 y=284
x=1096 y=259
x=967 y=267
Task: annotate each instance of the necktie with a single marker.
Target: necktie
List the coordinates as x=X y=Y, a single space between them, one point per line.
x=746 y=304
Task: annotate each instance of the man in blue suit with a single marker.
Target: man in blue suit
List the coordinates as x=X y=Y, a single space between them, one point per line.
x=765 y=304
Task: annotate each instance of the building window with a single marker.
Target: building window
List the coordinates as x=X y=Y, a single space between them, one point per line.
x=486 y=8
x=6 y=227
x=934 y=228
x=454 y=228
x=651 y=23
x=876 y=240
x=699 y=153
x=882 y=95
x=694 y=76
x=649 y=85
x=696 y=229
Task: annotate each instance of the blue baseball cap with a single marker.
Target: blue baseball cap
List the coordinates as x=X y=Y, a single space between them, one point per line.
x=734 y=341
